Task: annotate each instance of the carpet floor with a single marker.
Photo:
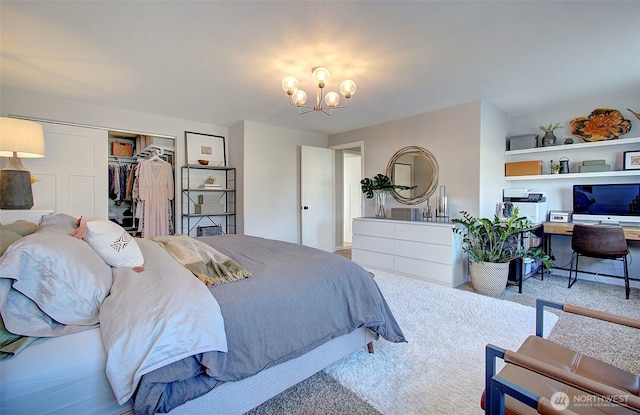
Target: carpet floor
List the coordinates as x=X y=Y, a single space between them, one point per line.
x=322 y=394
x=441 y=368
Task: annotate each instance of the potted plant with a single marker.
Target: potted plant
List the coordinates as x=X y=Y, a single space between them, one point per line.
x=549 y=138
x=378 y=187
x=491 y=245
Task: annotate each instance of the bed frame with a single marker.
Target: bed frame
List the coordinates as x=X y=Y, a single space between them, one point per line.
x=239 y=397
x=86 y=389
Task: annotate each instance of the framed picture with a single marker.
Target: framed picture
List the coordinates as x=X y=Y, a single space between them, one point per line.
x=207 y=147
x=631 y=160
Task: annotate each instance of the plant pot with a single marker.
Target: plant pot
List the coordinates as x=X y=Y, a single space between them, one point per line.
x=549 y=139
x=489 y=278
x=380 y=198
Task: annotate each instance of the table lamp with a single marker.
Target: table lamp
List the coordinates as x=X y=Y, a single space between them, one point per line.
x=18 y=138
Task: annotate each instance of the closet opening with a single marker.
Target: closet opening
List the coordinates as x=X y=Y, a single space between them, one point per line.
x=127 y=152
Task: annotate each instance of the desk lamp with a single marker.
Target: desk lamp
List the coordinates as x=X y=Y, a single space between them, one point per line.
x=18 y=138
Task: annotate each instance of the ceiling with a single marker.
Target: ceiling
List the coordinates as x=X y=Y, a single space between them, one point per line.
x=222 y=62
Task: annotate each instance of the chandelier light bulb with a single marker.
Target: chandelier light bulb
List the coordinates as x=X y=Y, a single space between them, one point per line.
x=348 y=88
x=299 y=97
x=320 y=76
x=332 y=99
x=290 y=84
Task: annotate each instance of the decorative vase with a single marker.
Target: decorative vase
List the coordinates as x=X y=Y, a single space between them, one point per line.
x=549 y=139
x=489 y=278
x=380 y=198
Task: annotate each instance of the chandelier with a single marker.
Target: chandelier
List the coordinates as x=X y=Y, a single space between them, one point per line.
x=320 y=77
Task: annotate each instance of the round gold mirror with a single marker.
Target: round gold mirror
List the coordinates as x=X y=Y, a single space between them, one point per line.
x=413 y=166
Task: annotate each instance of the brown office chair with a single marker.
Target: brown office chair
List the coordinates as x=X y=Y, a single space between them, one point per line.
x=599 y=241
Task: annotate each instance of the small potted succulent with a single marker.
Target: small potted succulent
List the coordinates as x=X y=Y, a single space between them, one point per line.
x=549 y=138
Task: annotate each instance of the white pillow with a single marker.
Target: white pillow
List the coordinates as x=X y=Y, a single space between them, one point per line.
x=62 y=275
x=114 y=245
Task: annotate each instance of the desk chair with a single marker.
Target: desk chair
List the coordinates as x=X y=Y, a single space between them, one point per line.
x=599 y=241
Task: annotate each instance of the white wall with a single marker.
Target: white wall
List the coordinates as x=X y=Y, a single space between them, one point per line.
x=494 y=125
x=236 y=159
x=270 y=187
x=452 y=135
x=28 y=104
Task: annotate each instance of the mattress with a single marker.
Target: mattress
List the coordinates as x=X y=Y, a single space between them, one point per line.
x=59 y=375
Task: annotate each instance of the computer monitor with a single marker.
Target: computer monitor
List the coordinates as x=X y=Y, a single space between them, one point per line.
x=607 y=203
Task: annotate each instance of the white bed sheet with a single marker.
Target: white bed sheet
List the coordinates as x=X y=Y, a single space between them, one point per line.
x=66 y=375
x=60 y=375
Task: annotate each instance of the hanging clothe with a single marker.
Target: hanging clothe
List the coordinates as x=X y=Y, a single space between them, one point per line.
x=119 y=177
x=155 y=189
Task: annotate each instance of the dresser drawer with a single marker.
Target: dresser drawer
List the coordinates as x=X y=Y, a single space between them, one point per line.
x=432 y=271
x=430 y=234
x=372 y=243
x=422 y=251
x=372 y=259
x=373 y=228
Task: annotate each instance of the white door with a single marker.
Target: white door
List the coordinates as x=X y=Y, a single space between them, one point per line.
x=317 y=197
x=73 y=175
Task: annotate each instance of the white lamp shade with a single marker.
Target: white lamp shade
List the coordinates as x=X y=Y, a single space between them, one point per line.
x=25 y=138
x=299 y=97
x=320 y=76
x=348 y=88
x=332 y=99
x=290 y=84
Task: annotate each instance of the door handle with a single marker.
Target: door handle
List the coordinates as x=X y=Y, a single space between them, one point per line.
x=305 y=207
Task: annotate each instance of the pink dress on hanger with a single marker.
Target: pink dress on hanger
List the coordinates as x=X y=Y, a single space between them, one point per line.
x=155 y=182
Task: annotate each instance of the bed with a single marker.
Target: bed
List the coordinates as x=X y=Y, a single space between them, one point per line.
x=158 y=345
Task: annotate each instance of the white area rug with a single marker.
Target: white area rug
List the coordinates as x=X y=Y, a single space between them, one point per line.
x=441 y=369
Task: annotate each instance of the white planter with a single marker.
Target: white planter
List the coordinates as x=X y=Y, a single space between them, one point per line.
x=489 y=278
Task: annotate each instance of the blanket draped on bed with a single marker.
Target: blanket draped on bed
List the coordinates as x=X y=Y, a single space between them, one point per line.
x=297 y=299
x=154 y=318
x=206 y=263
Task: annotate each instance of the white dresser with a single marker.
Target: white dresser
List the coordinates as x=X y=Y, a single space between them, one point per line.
x=424 y=250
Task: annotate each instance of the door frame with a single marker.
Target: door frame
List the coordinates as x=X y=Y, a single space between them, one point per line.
x=339 y=189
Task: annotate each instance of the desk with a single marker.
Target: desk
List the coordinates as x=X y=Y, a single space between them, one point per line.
x=631 y=233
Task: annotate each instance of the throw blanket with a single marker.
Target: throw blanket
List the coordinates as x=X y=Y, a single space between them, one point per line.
x=206 y=263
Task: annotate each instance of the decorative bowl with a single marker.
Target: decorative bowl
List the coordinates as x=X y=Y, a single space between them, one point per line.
x=203 y=162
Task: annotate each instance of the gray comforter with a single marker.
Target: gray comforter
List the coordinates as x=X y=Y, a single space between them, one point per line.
x=297 y=299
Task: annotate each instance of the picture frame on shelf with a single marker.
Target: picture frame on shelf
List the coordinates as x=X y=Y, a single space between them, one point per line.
x=207 y=147
x=631 y=160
